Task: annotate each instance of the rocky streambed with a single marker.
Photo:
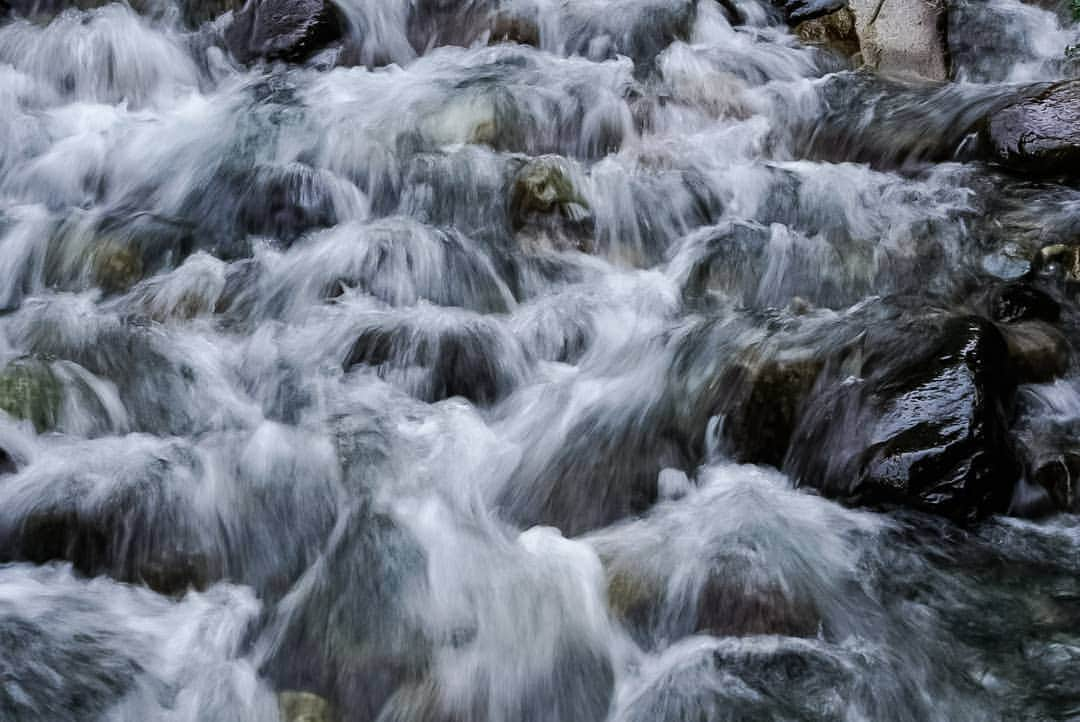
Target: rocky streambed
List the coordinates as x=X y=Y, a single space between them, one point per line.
x=539 y=361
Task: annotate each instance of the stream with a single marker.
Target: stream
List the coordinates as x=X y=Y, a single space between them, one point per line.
x=530 y=361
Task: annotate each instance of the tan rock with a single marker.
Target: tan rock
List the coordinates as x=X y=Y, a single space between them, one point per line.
x=903 y=37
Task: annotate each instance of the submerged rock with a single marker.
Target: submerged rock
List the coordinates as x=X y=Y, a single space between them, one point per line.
x=922 y=425
x=1039 y=135
x=289 y=30
x=348 y=631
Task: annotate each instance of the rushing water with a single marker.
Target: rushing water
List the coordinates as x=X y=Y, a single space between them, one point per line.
x=309 y=392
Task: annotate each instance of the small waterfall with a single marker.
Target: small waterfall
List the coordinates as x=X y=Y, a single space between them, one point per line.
x=531 y=361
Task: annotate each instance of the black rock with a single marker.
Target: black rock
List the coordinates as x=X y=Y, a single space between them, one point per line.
x=114 y=532
x=472 y=358
x=290 y=30
x=923 y=424
x=7 y=463
x=764 y=405
x=1021 y=301
x=1039 y=135
x=1039 y=352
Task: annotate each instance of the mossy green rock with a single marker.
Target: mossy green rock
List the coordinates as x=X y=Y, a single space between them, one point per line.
x=303 y=707
x=30 y=390
x=116 y=267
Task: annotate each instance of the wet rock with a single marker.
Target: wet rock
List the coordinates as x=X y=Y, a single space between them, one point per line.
x=60 y=673
x=604 y=469
x=435 y=23
x=730 y=601
x=288 y=30
x=727 y=260
x=1053 y=465
x=1037 y=350
x=1046 y=442
x=544 y=198
x=29 y=390
x=437 y=358
x=1059 y=262
x=347 y=632
x=770 y=679
x=113 y=530
x=901 y=121
x=114 y=252
x=640 y=30
x=835 y=31
x=303 y=707
x=765 y=403
x=197 y=12
x=116 y=267
x=44 y=10
x=283 y=202
x=809 y=10
x=903 y=37
x=1039 y=135
x=921 y=424
x=7 y=463
x=1021 y=301
x=511 y=25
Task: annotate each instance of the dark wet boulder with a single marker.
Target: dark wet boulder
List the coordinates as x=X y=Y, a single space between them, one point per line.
x=289 y=30
x=436 y=357
x=764 y=679
x=1021 y=301
x=1038 y=135
x=197 y=12
x=1051 y=465
x=600 y=467
x=59 y=672
x=640 y=30
x=348 y=632
x=900 y=122
x=112 y=529
x=1047 y=443
x=1038 y=351
x=764 y=403
x=730 y=601
x=284 y=201
x=916 y=418
x=143 y=512
x=8 y=464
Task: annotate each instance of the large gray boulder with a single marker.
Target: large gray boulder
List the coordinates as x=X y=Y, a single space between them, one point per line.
x=1038 y=135
x=903 y=37
x=290 y=30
